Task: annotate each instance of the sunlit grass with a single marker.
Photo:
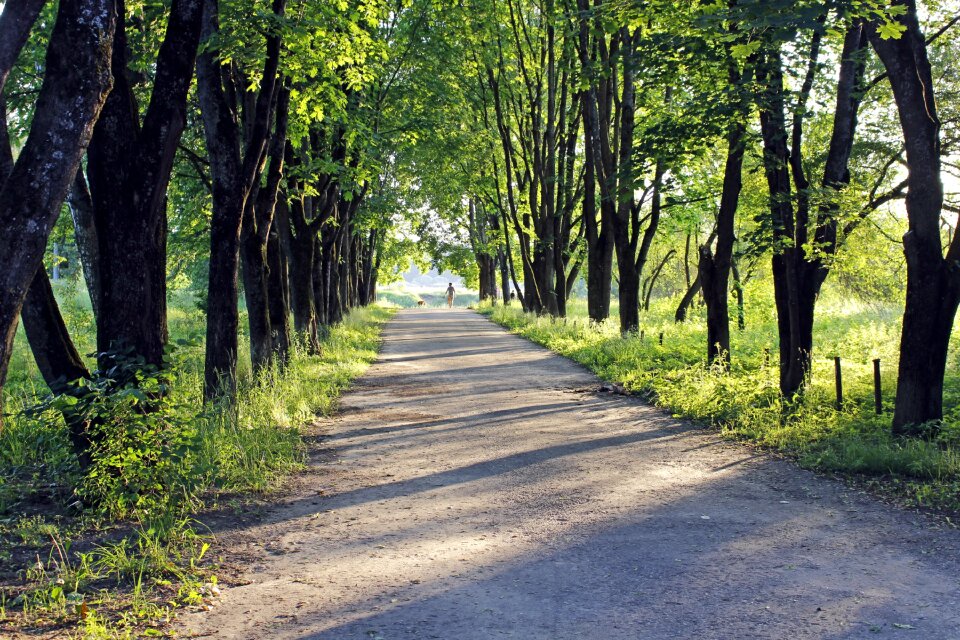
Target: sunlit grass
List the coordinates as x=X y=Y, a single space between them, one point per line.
x=744 y=403
x=208 y=454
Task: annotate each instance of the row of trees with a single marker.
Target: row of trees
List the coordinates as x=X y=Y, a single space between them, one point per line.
x=255 y=125
x=545 y=144
x=585 y=126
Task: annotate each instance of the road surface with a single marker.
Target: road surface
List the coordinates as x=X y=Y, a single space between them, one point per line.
x=476 y=486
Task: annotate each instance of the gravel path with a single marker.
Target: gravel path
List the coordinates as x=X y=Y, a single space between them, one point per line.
x=478 y=487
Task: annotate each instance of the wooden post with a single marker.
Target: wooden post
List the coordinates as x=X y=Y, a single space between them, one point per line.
x=836 y=368
x=641 y=335
x=877 y=395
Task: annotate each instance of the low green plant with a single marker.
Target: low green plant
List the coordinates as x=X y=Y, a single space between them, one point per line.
x=159 y=454
x=744 y=401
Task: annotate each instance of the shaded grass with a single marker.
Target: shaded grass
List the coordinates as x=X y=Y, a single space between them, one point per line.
x=139 y=546
x=745 y=403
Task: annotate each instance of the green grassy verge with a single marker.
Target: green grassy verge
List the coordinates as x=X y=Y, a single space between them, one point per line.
x=123 y=568
x=744 y=403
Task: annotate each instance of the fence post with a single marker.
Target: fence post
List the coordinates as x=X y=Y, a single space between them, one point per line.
x=877 y=395
x=836 y=368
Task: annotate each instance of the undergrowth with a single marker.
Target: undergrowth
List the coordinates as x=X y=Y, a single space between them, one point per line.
x=745 y=403
x=113 y=552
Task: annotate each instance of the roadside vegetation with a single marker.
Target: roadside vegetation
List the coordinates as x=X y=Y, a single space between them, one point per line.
x=116 y=551
x=744 y=402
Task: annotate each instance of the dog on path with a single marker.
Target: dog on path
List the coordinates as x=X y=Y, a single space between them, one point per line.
x=420 y=303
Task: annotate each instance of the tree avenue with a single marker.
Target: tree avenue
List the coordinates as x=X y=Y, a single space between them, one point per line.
x=276 y=161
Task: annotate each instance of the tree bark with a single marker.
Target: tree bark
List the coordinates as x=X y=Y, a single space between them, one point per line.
x=653 y=279
x=16 y=21
x=254 y=237
x=933 y=281
x=794 y=361
x=687 y=299
x=76 y=82
x=128 y=168
x=87 y=239
x=714 y=266
x=235 y=165
x=279 y=299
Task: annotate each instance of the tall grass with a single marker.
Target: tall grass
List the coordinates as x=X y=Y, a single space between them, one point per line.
x=153 y=471
x=744 y=402
x=238 y=447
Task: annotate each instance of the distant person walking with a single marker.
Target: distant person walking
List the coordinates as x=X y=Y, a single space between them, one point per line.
x=451 y=294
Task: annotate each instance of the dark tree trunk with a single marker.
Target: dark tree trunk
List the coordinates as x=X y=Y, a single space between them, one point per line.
x=235 y=165
x=599 y=236
x=797 y=276
x=794 y=361
x=714 y=266
x=53 y=350
x=933 y=282
x=254 y=237
x=343 y=270
x=738 y=291
x=279 y=299
x=504 y=275
x=16 y=21
x=87 y=239
x=56 y=356
x=687 y=299
x=129 y=167
x=253 y=258
x=334 y=292
x=297 y=237
x=629 y=296
x=76 y=82
x=488 y=277
x=326 y=278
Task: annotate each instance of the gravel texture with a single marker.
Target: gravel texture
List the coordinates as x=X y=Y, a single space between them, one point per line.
x=477 y=486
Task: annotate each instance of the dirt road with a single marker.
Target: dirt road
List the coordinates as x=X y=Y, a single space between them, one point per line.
x=479 y=488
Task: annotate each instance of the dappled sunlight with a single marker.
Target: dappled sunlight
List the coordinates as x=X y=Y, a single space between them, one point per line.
x=479 y=491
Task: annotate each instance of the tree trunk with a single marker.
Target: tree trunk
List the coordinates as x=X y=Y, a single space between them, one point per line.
x=714 y=267
x=254 y=237
x=53 y=350
x=933 y=282
x=128 y=166
x=794 y=361
x=279 y=299
x=76 y=82
x=16 y=21
x=504 y=275
x=687 y=300
x=56 y=356
x=253 y=257
x=653 y=279
x=235 y=173
x=302 y=292
x=738 y=291
x=87 y=239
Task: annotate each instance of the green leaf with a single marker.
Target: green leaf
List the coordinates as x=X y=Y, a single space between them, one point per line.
x=891 y=30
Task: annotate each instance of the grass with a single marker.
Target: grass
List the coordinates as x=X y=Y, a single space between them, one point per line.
x=123 y=566
x=745 y=404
